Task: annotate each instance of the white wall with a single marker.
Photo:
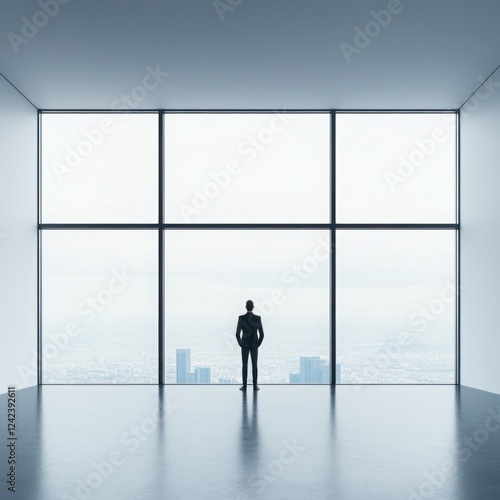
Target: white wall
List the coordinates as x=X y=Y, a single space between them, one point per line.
x=18 y=238
x=480 y=239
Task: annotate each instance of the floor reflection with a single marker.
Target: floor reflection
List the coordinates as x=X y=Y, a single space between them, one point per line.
x=291 y=442
x=249 y=443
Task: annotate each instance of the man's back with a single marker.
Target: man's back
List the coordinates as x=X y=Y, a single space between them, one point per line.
x=252 y=335
x=249 y=324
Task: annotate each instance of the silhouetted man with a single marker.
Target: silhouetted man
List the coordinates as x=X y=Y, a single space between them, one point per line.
x=249 y=324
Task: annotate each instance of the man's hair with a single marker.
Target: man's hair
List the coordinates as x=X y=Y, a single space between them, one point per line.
x=249 y=305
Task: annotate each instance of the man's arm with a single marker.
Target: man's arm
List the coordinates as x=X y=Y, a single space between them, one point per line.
x=261 y=332
x=238 y=330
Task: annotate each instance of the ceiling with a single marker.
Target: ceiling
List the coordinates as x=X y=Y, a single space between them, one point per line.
x=248 y=54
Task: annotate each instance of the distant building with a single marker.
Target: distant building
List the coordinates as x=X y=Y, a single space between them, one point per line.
x=183 y=365
x=202 y=375
x=337 y=373
x=325 y=372
x=310 y=371
x=313 y=370
x=228 y=381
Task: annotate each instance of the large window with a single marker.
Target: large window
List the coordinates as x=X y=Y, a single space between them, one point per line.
x=247 y=168
x=211 y=273
x=396 y=293
x=396 y=216
x=396 y=168
x=100 y=306
x=155 y=228
x=99 y=168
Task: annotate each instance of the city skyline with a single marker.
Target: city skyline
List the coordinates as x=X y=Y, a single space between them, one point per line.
x=414 y=361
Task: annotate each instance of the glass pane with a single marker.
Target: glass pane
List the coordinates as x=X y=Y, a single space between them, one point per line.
x=272 y=167
x=99 y=168
x=100 y=307
x=396 y=168
x=396 y=306
x=209 y=277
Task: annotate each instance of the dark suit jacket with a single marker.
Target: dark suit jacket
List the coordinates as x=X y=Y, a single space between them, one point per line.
x=249 y=324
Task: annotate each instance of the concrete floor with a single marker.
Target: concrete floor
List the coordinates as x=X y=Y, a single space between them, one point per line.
x=284 y=442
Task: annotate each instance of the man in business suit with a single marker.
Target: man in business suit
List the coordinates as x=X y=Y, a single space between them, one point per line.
x=249 y=325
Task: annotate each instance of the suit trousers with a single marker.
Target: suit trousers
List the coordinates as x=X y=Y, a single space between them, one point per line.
x=253 y=351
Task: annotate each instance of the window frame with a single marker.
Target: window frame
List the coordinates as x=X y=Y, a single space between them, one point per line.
x=161 y=226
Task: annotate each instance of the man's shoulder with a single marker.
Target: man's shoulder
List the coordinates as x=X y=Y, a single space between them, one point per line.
x=253 y=317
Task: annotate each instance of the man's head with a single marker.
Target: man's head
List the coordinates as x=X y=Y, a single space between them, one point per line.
x=249 y=305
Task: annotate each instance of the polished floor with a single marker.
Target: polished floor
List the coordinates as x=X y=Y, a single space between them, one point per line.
x=284 y=442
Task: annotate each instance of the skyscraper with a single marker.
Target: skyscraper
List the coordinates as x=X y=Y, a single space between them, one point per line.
x=313 y=370
x=183 y=365
x=310 y=371
x=324 y=369
x=202 y=375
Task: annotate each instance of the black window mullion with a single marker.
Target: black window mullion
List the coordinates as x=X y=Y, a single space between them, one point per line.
x=333 y=220
x=161 y=288
x=39 y=251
